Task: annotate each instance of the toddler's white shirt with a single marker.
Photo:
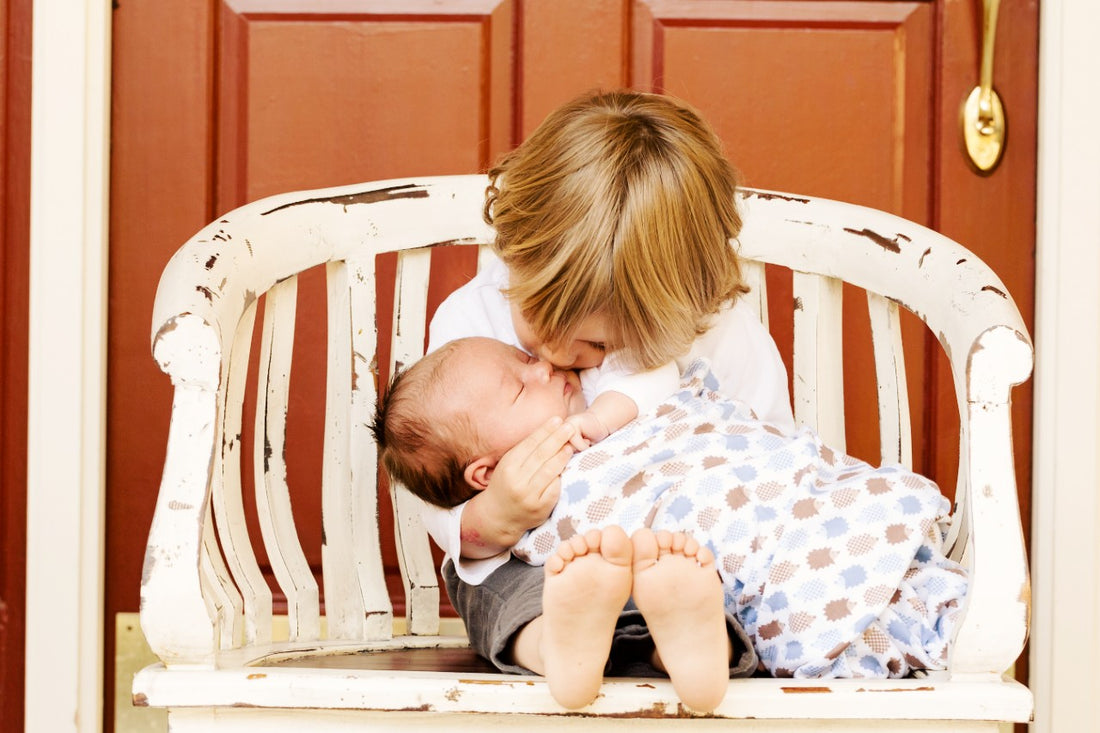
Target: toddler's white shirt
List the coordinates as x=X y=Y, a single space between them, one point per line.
x=742 y=354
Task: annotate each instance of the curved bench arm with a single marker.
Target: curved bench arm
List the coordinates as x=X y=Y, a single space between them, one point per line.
x=177 y=623
x=205 y=290
x=969 y=310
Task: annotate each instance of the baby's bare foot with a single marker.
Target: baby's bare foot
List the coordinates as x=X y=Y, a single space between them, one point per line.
x=587 y=585
x=679 y=593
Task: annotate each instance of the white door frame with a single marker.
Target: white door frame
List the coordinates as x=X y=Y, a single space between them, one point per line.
x=1065 y=633
x=70 y=103
x=66 y=425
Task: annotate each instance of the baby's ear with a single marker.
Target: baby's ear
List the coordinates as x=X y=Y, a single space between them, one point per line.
x=479 y=471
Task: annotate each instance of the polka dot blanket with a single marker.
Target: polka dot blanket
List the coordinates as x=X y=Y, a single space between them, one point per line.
x=835 y=568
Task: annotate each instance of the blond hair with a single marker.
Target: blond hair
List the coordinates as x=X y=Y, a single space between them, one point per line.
x=420 y=443
x=619 y=204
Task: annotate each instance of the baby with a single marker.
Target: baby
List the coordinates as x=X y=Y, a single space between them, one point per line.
x=835 y=568
x=443 y=425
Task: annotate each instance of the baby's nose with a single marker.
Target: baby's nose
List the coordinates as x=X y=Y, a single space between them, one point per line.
x=540 y=371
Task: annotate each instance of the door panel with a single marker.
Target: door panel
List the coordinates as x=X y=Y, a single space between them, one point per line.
x=564 y=48
x=855 y=100
x=162 y=175
x=381 y=95
x=826 y=99
x=424 y=90
x=992 y=215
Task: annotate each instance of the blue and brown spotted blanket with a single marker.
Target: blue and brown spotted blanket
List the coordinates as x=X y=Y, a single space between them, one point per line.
x=835 y=568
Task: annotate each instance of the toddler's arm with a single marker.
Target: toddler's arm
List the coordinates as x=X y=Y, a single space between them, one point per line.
x=521 y=493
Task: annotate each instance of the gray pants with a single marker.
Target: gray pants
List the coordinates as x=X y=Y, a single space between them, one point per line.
x=495 y=610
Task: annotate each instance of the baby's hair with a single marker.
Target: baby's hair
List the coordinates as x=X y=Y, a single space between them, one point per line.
x=620 y=204
x=425 y=450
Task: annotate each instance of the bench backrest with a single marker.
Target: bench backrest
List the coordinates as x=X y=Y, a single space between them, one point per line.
x=203 y=593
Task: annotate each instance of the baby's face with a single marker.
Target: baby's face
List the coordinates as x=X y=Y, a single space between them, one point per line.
x=587 y=348
x=508 y=393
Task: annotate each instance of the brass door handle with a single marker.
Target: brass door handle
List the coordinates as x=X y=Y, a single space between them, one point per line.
x=983 y=115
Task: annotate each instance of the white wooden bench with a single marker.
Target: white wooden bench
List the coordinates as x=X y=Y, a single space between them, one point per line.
x=207 y=610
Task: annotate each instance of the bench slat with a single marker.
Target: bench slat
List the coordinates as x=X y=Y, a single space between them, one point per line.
x=418 y=572
x=888 y=702
x=894 y=423
x=362 y=342
x=353 y=612
x=818 y=357
x=226 y=496
x=273 y=508
x=223 y=601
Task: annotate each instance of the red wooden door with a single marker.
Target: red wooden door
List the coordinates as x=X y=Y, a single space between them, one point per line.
x=219 y=103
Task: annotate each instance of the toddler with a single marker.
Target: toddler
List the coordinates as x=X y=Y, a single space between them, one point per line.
x=613 y=254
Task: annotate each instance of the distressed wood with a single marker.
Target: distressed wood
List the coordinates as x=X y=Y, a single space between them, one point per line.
x=753 y=274
x=818 y=392
x=411 y=722
x=895 y=433
x=223 y=600
x=273 y=508
x=364 y=459
x=407 y=345
x=817 y=703
x=227 y=499
x=191 y=608
x=354 y=610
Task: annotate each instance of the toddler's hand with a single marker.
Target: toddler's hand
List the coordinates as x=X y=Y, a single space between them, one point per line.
x=527 y=481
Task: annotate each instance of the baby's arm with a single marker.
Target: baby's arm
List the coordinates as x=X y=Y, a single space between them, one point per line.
x=608 y=412
x=616 y=396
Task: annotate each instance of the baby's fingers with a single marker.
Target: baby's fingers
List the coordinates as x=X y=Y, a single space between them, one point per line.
x=579 y=442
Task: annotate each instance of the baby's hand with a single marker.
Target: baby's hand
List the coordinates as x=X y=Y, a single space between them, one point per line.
x=590 y=429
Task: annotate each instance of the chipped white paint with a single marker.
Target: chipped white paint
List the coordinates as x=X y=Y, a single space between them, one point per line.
x=752 y=272
x=209 y=289
x=273 y=508
x=378 y=618
x=818 y=393
x=324 y=721
x=757 y=698
x=346 y=605
x=895 y=428
x=418 y=572
x=226 y=499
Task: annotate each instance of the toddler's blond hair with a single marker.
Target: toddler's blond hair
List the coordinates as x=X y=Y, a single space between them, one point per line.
x=619 y=204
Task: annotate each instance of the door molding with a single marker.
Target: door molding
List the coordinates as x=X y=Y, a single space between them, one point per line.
x=1066 y=482
x=68 y=276
x=70 y=104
